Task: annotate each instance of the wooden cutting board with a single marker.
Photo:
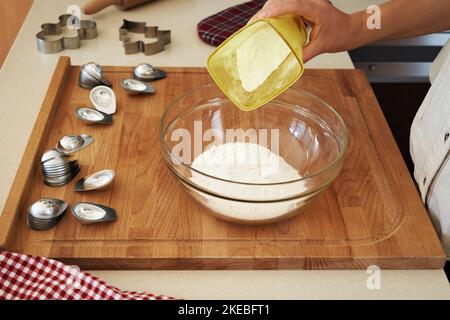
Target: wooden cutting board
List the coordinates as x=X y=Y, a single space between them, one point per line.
x=372 y=214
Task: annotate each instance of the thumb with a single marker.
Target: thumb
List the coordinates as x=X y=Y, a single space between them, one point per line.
x=310 y=51
x=276 y=8
x=95 y=6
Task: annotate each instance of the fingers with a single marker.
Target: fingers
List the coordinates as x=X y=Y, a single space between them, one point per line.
x=310 y=51
x=275 y=8
x=95 y=6
x=312 y=48
x=310 y=10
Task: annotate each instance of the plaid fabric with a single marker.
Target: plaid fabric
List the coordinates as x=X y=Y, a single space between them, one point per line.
x=25 y=277
x=216 y=29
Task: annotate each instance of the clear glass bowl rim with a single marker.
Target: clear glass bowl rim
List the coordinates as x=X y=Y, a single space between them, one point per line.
x=174 y=103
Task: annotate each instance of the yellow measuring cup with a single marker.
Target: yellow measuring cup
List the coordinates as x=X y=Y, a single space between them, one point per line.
x=223 y=62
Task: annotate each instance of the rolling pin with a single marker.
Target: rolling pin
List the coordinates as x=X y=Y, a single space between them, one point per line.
x=95 y=6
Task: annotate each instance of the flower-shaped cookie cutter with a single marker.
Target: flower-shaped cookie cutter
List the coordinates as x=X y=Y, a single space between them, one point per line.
x=163 y=38
x=87 y=31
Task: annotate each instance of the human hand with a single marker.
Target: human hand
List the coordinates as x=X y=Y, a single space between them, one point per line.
x=94 y=6
x=332 y=29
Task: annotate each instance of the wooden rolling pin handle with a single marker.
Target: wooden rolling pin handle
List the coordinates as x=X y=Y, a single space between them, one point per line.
x=95 y=6
x=127 y=4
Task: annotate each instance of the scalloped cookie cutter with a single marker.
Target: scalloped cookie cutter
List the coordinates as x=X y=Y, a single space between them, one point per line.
x=163 y=38
x=87 y=31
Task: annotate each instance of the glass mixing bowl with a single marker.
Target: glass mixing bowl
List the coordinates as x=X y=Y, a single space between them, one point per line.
x=297 y=126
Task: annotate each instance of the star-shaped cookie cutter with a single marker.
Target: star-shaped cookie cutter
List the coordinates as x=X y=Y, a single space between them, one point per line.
x=163 y=38
x=87 y=31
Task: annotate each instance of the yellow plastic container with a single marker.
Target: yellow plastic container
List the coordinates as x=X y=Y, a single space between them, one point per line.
x=222 y=63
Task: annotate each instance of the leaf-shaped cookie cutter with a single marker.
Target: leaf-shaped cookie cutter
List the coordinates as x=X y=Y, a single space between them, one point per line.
x=87 y=31
x=163 y=38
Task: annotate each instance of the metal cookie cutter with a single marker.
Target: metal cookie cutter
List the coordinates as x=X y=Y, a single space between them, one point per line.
x=163 y=37
x=87 y=31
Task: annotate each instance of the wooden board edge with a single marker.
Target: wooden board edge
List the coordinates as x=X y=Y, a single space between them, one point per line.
x=422 y=263
x=25 y=170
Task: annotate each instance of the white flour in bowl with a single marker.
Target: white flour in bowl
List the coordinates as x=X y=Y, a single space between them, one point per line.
x=245 y=163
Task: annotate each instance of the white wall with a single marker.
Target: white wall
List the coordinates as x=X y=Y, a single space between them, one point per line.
x=350 y=6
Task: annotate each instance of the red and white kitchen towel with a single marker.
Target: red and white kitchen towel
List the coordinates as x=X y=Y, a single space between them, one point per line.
x=25 y=277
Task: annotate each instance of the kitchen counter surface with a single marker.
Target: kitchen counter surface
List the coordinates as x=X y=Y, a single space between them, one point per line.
x=285 y=285
x=24 y=79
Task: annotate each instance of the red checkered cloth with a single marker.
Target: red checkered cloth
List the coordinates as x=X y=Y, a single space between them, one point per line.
x=25 y=277
x=216 y=29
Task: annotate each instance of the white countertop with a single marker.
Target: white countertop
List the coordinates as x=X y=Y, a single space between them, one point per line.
x=24 y=79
